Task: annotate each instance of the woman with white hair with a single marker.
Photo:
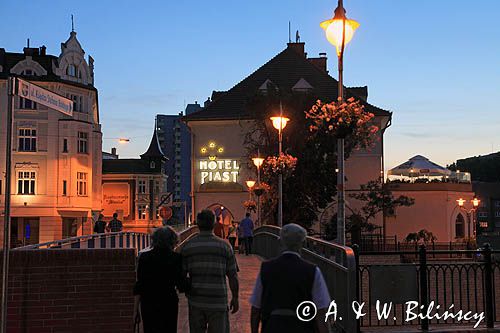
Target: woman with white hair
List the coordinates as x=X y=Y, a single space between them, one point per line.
x=159 y=274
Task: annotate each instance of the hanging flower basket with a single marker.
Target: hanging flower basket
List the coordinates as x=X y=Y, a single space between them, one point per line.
x=261 y=188
x=284 y=164
x=250 y=206
x=343 y=119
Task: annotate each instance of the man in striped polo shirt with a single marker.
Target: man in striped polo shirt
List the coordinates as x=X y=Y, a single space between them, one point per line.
x=207 y=260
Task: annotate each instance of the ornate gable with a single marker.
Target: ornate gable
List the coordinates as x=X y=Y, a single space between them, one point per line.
x=72 y=64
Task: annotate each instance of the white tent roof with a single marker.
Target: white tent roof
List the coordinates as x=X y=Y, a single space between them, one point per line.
x=419 y=166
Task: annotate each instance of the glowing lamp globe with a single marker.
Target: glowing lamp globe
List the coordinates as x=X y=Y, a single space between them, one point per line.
x=250 y=183
x=334 y=29
x=475 y=202
x=461 y=202
x=123 y=140
x=258 y=161
x=279 y=122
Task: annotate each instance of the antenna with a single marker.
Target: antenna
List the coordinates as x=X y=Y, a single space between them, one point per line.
x=297 y=37
x=28 y=43
x=72 y=24
x=289 y=32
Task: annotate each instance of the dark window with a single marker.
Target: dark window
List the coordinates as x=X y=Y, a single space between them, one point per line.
x=460 y=226
x=0 y=186
x=27 y=139
x=83 y=139
x=81 y=184
x=25 y=103
x=65 y=188
x=65 y=145
x=71 y=70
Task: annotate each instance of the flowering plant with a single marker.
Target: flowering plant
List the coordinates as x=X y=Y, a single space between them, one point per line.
x=284 y=164
x=250 y=205
x=261 y=188
x=343 y=119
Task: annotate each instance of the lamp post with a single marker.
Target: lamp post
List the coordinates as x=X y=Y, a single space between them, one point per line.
x=470 y=213
x=280 y=123
x=339 y=31
x=258 y=161
x=250 y=185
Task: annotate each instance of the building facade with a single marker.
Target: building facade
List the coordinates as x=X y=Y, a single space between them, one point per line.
x=175 y=142
x=135 y=188
x=56 y=158
x=220 y=162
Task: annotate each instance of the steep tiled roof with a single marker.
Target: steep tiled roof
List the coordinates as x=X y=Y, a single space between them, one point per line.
x=284 y=70
x=154 y=150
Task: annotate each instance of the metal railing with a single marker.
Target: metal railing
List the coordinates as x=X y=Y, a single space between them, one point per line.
x=111 y=240
x=337 y=263
x=472 y=284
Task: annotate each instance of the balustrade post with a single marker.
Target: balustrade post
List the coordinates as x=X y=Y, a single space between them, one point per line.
x=355 y=248
x=424 y=297
x=488 y=286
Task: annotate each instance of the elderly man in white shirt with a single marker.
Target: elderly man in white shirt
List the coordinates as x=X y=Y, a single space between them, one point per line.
x=285 y=282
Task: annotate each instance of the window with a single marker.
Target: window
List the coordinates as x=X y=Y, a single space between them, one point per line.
x=497 y=213
x=157 y=187
x=65 y=145
x=81 y=184
x=27 y=139
x=142 y=187
x=497 y=203
x=152 y=165
x=141 y=211
x=26 y=182
x=483 y=214
x=25 y=103
x=27 y=72
x=459 y=226
x=0 y=187
x=83 y=139
x=71 y=70
x=65 y=188
x=77 y=102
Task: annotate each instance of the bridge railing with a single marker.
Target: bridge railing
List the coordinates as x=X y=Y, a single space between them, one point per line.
x=111 y=240
x=337 y=263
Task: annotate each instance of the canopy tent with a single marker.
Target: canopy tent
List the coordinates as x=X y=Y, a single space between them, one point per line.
x=419 y=166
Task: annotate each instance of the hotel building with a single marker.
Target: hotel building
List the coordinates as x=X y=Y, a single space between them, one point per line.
x=56 y=158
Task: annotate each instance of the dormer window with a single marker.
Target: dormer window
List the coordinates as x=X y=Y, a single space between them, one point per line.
x=71 y=70
x=152 y=165
x=28 y=72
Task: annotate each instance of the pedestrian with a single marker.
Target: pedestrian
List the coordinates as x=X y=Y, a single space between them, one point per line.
x=285 y=282
x=247 y=229
x=241 y=239
x=207 y=259
x=115 y=225
x=232 y=234
x=100 y=225
x=159 y=274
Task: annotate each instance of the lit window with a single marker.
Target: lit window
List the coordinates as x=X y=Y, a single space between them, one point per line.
x=83 y=138
x=27 y=104
x=483 y=214
x=81 y=184
x=141 y=211
x=27 y=139
x=142 y=187
x=26 y=182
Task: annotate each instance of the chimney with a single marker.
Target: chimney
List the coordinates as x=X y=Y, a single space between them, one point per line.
x=43 y=50
x=207 y=102
x=113 y=151
x=297 y=47
x=320 y=62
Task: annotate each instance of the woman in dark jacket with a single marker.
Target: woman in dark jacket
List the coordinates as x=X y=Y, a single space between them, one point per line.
x=159 y=274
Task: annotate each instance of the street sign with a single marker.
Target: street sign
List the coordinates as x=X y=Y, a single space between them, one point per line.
x=45 y=97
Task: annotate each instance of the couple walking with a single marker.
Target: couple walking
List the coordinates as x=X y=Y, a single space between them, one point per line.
x=199 y=270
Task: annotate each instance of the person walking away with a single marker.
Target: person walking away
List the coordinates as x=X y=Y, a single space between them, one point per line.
x=207 y=260
x=247 y=228
x=232 y=234
x=241 y=239
x=115 y=225
x=159 y=274
x=219 y=228
x=283 y=283
x=100 y=225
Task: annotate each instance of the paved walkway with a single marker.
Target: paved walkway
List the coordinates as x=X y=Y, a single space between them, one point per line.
x=240 y=321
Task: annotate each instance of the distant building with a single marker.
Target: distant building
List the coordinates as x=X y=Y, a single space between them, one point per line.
x=488 y=213
x=56 y=158
x=175 y=141
x=134 y=188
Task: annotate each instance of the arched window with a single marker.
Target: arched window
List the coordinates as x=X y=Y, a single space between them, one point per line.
x=460 y=226
x=71 y=70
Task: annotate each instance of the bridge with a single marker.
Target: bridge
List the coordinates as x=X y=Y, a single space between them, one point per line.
x=83 y=284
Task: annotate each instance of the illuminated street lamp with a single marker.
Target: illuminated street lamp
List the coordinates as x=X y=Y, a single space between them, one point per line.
x=250 y=185
x=339 y=31
x=279 y=123
x=470 y=213
x=123 y=140
x=258 y=161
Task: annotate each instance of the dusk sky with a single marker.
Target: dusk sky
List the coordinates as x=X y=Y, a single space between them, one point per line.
x=434 y=64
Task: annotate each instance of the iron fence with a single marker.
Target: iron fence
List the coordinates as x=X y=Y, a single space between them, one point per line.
x=471 y=284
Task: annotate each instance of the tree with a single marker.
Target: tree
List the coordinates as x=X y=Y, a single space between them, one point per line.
x=423 y=236
x=376 y=199
x=312 y=184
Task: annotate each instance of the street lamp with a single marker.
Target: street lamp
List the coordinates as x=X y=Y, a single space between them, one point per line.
x=250 y=185
x=470 y=213
x=258 y=161
x=279 y=123
x=339 y=31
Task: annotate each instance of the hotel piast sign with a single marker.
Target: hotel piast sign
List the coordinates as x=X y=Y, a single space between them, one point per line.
x=212 y=168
